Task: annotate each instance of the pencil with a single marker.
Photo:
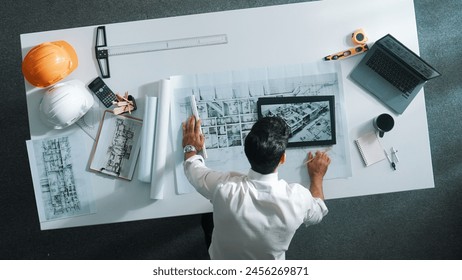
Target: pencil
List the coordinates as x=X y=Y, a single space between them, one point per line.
x=310 y=160
x=325 y=151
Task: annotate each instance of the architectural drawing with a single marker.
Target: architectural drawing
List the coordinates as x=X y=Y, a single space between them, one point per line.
x=117 y=146
x=228 y=114
x=60 y=182
x=121 y=146
x=311 y=119
x=310 y=126
x=227 y=105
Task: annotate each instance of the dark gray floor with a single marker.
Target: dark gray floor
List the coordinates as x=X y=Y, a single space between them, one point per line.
x=424 y=224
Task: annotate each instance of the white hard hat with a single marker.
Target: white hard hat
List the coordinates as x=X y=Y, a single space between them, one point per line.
x=65 y=103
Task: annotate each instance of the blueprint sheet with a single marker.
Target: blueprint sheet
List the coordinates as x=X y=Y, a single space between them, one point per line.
x=62 y=186
x=227 y=106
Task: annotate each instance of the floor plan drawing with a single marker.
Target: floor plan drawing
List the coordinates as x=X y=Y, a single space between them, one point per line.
x=121 y=147
x=117 y=146
x=60 y=183
x=227 y=106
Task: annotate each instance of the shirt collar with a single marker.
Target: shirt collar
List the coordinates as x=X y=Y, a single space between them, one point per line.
x=253 y=175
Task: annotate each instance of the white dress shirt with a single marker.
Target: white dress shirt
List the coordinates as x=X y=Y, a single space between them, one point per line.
x=255 y=216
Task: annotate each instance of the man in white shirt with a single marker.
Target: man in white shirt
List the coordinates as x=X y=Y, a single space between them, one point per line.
x=255 y=215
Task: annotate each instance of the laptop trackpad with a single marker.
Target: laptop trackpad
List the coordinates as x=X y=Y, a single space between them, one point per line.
x=381 y=88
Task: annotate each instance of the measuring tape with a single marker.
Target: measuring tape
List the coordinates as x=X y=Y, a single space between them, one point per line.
x=359 y=38
x=103 y=51
x=347 y=53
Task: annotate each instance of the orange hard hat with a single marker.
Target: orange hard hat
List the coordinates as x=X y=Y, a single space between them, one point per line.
x=49 y=63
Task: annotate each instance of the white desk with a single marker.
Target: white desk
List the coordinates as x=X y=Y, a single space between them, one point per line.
x=275 y=35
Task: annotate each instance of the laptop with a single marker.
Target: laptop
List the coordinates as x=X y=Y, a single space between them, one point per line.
x=393 y=73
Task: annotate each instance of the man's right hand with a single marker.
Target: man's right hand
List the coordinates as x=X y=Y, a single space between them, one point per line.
x=317 y=167
x=317 y=164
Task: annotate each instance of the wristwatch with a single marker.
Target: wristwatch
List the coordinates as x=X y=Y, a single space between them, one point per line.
x=189 y=148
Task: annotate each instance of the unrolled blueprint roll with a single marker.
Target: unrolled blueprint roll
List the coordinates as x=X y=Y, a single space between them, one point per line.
x=160 y=140
x=147 y=140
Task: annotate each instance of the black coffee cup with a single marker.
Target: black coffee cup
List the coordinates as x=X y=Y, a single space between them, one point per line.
x=383 y=123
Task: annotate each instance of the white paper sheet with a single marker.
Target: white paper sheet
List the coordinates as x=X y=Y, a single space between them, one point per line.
x=62 y=186
x=147 y=139
x=227 y=106
x=161 y=140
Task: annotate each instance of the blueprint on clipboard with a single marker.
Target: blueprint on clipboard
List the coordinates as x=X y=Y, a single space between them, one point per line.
x=227 y=106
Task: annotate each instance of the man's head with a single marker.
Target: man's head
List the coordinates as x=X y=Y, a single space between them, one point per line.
x=266 y=143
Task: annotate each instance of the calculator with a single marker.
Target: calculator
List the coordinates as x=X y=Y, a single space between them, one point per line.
x=102 y=91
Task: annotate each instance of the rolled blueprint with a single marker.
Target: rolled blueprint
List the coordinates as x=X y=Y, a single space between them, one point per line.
x=147 y=140
x=160 y=140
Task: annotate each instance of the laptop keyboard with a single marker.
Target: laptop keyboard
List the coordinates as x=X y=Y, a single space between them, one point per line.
x=393 y=72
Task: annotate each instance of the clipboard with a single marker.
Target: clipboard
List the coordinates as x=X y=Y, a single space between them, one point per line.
x=117 y=145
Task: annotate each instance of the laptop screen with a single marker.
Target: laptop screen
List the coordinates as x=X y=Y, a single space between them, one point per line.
x=409 y=57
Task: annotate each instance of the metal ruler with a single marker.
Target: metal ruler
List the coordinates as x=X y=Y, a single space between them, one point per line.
x=103 y=51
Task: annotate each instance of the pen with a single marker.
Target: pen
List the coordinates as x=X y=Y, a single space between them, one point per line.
x=394 y=154
x=393 y=165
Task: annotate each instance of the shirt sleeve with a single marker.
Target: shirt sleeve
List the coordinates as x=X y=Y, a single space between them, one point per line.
x=203 y=179
x=316 y=212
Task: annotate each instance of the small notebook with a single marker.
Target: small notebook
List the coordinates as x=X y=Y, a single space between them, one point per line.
x=370 y=148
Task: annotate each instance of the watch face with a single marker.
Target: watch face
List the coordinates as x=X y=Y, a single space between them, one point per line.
x=189 y=148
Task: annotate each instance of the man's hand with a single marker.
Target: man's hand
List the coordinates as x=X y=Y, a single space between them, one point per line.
x=317 y=164
x=192 y=134
x=317 y=167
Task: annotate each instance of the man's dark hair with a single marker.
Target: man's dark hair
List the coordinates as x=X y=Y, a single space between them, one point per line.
x=266 y=143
